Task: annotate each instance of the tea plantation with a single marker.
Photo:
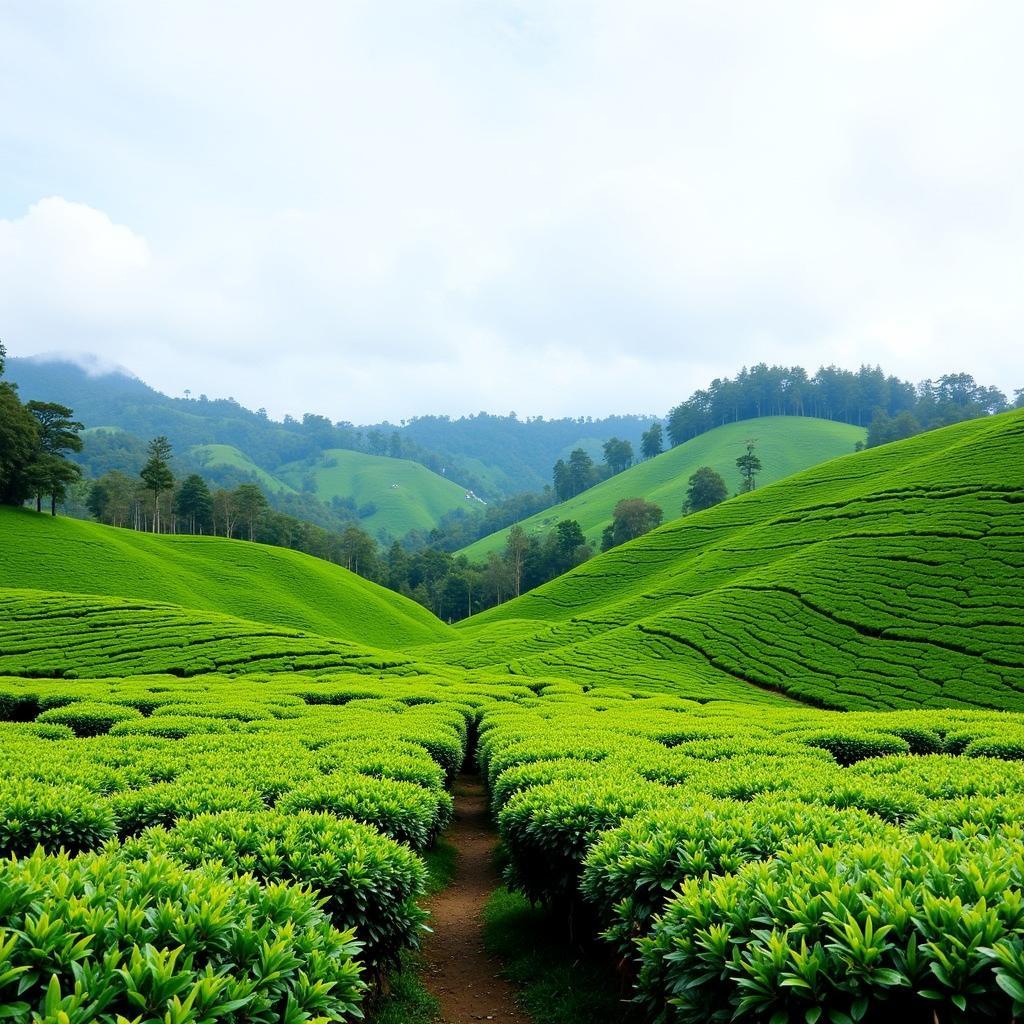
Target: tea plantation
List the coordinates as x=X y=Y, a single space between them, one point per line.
x=769 y=758
x=253 y=581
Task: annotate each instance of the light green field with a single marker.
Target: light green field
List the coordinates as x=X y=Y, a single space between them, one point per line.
x=888 y=578
x=408 y=496
x=252 y=581
x=785 y=445
x=214 y=455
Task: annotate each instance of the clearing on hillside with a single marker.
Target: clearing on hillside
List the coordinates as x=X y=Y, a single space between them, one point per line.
x=404 y=495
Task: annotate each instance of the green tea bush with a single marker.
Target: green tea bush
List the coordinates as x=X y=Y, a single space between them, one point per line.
x=108 y=938
x=166 y=803
x=850 y=746
x=632 y=870
x=35 y=814
x=371 y=883
x=909 y=926
x=402 y=810
x=89 y=718
x=171 y=727
x=548 y=830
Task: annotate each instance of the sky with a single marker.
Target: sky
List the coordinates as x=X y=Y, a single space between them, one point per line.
x=385 y=209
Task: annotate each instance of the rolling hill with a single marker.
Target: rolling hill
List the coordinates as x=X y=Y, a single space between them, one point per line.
x=61 y=635
x=405 y=495
x=887 y=578
x=785 y=445
x=218 y=455
x=251 y=581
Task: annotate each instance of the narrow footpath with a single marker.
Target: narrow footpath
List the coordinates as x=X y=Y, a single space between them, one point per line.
x=459 y=973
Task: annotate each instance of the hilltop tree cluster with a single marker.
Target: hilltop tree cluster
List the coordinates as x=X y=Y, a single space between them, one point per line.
x=35 y=438
x=863 y=397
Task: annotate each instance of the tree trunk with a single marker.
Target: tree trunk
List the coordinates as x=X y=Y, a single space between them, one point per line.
x=53 y=504
x=39 y=503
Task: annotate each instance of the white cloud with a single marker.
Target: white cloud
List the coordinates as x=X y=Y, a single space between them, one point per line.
x=376 y=210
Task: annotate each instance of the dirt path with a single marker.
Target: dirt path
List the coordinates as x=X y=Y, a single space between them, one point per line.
x=459 y=972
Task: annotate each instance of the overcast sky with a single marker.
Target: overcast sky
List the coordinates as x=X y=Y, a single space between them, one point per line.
x=383 y=209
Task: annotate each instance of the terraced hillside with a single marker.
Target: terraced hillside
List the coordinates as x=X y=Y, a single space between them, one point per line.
x=252 y=581
x=54 y=635
x=405 y=495
x=888 y=578
x=785 y=445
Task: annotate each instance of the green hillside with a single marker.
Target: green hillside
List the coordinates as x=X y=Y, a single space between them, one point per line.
x=406 y=495
x=44 y=634
x=885 y=578
x=785 y=445
x=216 y=455
x=252 y=581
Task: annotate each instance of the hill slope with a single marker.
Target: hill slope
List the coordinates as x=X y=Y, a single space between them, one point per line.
x=785 y=445
x=251 y=581
x=44 y=634
x=885 y=578
x=406 y=495
x=217 y=455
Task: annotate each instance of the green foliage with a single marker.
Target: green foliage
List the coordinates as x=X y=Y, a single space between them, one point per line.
x=370 y=883
x=556 y=983
x=108 y=938
x=631 y=518
x=705 y=489
x=89 y=718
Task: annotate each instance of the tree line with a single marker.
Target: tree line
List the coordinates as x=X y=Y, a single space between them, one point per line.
x=858 y=397
x=35 y=439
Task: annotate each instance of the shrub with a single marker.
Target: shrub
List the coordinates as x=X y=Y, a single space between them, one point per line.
x=910 y=927
x=108 y=938
x=35 y=814
x=89 y=718
x=848 y=747
x=402 y=810
x=370 y=882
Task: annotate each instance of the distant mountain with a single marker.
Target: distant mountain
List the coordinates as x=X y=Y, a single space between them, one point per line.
x=494 y=456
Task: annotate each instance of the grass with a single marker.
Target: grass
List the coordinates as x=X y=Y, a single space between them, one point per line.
x=556 y=983
x=214 y=455
x=888 y=578
x=785 y=445
x=406 y=495
x=251 y=581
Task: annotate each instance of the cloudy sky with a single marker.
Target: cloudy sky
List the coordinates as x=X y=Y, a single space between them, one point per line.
x=382 y=209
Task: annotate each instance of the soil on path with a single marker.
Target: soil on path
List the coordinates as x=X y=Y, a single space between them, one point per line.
x=459 y=972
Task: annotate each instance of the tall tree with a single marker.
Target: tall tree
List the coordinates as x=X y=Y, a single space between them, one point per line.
x=194 y=504
x=156 y=474
x=749 y=466
x=581 y=471
x=250 y=503
x=706 y=488
x=516 y=547
x=618 y=455
x=652 y=442
x=632 y=518
x=57 y=433
x=19 y=436
x=112 y=498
